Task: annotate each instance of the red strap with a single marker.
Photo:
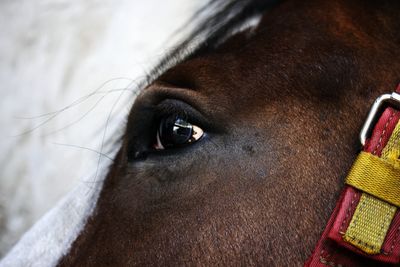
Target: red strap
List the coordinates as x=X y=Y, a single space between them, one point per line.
x=331 y=249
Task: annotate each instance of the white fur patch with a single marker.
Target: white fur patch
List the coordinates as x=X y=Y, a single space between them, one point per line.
x=51 y=237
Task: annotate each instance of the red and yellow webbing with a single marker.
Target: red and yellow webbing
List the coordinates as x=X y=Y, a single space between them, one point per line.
x=379 y=179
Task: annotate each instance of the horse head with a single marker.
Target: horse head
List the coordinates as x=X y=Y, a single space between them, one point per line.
x=236 y=154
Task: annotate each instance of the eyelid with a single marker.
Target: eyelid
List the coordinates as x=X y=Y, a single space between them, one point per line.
x=211 y=118
x=177 y=107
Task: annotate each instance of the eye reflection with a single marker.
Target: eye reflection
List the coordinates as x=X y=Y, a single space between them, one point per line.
x=174 y=131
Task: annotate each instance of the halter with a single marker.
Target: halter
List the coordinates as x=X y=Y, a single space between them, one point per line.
x=364 y=228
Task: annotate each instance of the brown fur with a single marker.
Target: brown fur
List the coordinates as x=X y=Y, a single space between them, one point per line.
x=282 y=110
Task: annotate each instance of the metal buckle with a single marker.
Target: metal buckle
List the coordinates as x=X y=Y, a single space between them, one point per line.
x=392 y=99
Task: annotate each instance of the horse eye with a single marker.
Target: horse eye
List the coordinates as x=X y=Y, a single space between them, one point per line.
x=174 y=131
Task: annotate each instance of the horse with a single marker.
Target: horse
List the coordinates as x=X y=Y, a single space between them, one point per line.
x=235 y=151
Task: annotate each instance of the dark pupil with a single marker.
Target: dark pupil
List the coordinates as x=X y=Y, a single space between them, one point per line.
x=175 y=131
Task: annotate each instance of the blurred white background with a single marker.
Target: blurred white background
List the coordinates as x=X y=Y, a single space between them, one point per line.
x=53 y=53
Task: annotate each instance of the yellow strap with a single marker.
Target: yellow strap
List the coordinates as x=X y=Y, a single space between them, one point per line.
x=370 y=223
x=380 y=177
x=392 y=148
x=376 y=176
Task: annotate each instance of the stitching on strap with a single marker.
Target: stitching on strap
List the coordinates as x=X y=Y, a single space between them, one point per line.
x=394 y=241
x=383 y=132
x=348 y=213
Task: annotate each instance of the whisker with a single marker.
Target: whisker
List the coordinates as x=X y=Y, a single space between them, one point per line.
x=86 y=113
x=37 y=126
x=85 y=148
x=72 y=123
x=105 y=132
x=77 y=101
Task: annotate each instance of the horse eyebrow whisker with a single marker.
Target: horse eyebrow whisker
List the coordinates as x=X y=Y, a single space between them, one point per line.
x=105 y=132
x=87 y=112
x=75 y=102
x=85 y=148
x=56 y=113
